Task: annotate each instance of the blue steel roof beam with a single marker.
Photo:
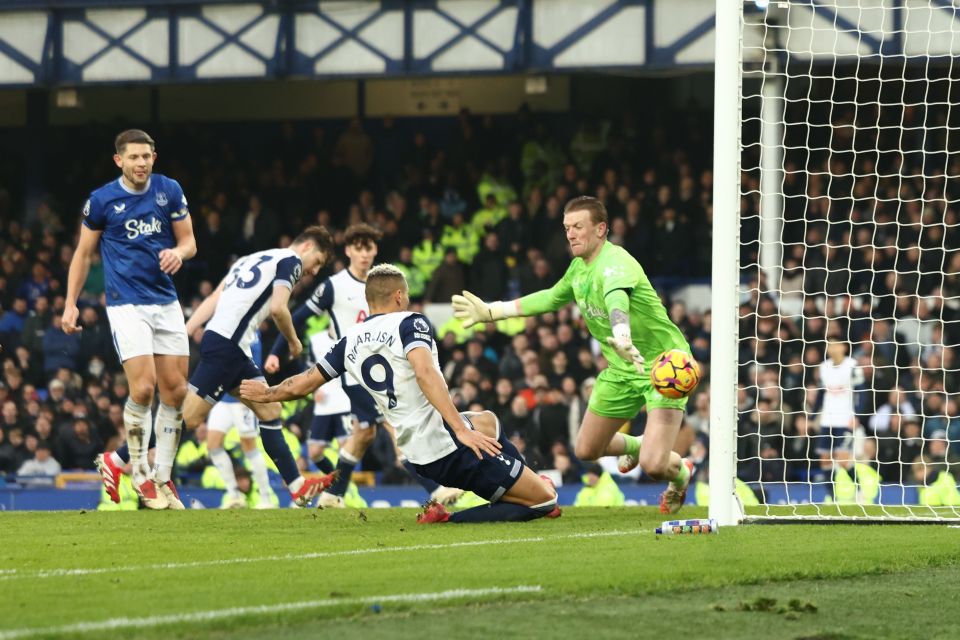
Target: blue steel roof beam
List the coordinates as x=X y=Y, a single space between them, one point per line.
x=468 y=30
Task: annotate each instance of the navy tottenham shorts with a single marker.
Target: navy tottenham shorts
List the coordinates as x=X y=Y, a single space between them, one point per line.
x=222 y=366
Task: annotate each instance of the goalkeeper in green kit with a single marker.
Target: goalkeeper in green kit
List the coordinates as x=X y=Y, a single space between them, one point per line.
x=624 y=313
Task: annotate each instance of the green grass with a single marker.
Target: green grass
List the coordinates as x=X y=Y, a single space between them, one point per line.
x=593 y=572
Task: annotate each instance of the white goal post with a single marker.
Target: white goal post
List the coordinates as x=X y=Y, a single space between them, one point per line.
x=835 y=342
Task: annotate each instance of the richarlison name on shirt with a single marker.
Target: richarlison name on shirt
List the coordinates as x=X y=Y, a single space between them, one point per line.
x=380 y=336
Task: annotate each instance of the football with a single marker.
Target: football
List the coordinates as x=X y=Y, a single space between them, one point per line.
x=675 y=374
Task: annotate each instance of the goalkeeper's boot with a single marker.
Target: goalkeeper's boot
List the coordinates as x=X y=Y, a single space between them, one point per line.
x=110 y=473
x=557 y=511
x=169 y=491
x=311 y=487
x=433 y=513
x=627 y=463
x=446 y=495
x=673 y=498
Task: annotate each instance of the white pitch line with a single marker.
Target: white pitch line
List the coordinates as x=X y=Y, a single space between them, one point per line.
x=232 y=612
x=17 y=574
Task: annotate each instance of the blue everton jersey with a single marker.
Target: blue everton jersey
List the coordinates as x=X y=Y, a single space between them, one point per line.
x=135 y=227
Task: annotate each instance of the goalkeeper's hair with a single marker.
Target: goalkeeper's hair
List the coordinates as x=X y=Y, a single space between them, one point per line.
x=598 y=212
x=382 y=281
x=319 y=235
x=362 y=234
x=132 y=136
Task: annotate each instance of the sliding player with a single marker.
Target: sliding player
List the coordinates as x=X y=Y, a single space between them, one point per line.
x=393 y=355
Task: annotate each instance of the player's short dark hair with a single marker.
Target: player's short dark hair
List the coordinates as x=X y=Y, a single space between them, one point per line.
x=319 y=235
x=362 y=234
x=382 y=281
x=598 y=212
x=133 y=136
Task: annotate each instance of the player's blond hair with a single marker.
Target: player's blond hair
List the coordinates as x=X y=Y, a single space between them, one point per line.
x=382 y=281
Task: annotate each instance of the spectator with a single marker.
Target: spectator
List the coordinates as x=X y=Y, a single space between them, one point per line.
x=60 y=351
x=489 y=273
x=78 y=445
x=447 y=280
x=35 y=325
x=12 y=323
x=13 y=451
x=38 y=285
x=42 y=463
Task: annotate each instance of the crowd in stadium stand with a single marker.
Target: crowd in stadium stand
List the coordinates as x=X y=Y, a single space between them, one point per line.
x=477 y=204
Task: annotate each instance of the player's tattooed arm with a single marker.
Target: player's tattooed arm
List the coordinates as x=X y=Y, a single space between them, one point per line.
x=292 y=388
x=622 y=341
x=619 y=317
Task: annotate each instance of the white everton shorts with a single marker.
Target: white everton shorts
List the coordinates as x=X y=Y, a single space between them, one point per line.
x=226 y=415
x=148 y=329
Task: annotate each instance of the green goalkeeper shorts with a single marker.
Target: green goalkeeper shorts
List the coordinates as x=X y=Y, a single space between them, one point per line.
x=618 y=396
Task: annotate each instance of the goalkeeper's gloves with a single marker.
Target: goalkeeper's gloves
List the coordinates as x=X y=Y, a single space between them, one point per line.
x=622 y=343
x=470 y=309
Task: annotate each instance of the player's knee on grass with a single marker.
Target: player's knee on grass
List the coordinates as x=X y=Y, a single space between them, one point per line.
x=248 y=444
x=315 y=451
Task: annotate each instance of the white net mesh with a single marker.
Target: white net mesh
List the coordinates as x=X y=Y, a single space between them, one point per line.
x=849 y=400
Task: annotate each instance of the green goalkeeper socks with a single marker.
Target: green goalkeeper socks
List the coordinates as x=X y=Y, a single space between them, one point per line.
x=631 y=445
x=681 y=480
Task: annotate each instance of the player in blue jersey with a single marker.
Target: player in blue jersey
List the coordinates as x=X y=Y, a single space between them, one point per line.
x=342 y=297
x=142 y=224
x=393 y=355
x=257 y=286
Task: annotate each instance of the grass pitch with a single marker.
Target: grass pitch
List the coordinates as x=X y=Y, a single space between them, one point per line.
x=375 y=574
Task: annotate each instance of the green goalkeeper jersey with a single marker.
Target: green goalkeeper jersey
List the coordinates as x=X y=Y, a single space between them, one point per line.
x=590 y=285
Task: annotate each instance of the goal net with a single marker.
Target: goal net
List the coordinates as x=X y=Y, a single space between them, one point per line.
x=847 y=397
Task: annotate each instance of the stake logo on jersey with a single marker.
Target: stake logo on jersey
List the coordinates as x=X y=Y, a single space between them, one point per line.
x=375 y=353
x=247 y=288
x=136 y=226
x=345 y=299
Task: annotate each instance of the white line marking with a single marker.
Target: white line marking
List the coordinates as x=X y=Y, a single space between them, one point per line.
x=15 y=574
x=232 y=612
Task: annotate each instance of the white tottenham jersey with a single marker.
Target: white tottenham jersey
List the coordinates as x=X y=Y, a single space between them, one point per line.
x=335 y=399
x=375 y=353
x=345 y=299
x=247 y=288
x=839 y=382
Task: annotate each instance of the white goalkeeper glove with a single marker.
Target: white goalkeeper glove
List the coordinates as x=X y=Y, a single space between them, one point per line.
x=470 y=310
x=622 y=343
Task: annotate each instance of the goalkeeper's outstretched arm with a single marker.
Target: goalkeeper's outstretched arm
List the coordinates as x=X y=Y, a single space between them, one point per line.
x=470 y=309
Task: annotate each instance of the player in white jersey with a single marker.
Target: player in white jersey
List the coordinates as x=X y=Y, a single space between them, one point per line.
x=257 y=285
x=393 y=355
x=342 y=296
x=143 y=228
x=839 y=376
